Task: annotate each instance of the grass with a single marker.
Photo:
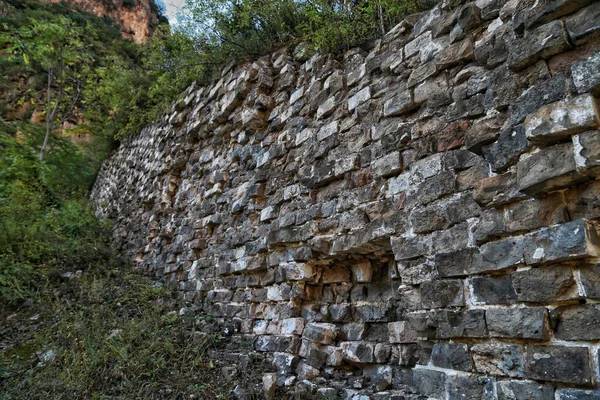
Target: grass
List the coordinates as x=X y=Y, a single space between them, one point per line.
x=114 y=334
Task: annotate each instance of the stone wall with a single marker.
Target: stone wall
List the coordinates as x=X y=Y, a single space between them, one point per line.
x=415 y=218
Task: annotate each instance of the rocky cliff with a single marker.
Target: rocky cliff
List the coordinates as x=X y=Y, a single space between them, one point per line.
x=419 y=218
x=135 y=17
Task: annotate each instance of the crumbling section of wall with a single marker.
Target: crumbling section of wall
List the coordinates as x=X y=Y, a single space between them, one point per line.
x=418 y=219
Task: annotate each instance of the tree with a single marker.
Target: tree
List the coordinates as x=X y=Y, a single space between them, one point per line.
x=56 y=48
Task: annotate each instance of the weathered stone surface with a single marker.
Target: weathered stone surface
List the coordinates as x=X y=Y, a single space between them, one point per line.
x=320 y=332
x=449 y=324
x=549 y=169
x=498 y=359
x=399 y=104
x=577 y=394
x=526 y=323
x=590 y=281
x=535 y=213
x=506 y=150
x=493 y=290
x=358 y=352
x=429 y=382
x=470 y=387
x=359 y=98
x=442 y=294
x=544 y=284
x=586 y=75
x=451 y=356
x=542 y=42
x=562 y=119
x=583 y=24
x=581 y=322
x=516 y=390
x=558 y=364
x=587 y=153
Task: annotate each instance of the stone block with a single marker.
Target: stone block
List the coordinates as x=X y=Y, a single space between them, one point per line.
x=496 y=190
x=294 y=271
x=590 y=281
x=388 y=165
x=498 y=359
x=558 y=364
x=399 y=104
x=470 y=387
x=432 y=189
x=451 y=356
x=359 y=98
x=455 y=54
x=459 y=263
x=572 y=240
x=421 y=73
x=579 y=322
x=378 y=376
x=451 y=324
x=584 y=24
x=524 y=323
x=410 y=331
x=535 y=213
x=517 y=390
x=430 y=383
x=586 y=75
x=562 y=119
x=506 y=150
x=587 y=153
x=492 y=290
x=358 y=352
x=545 y=284
x=362 y=271
x=549 y=169
x=442 y=294
x=577 y=394
x=501 y=254
x=490 y=224
x=353 y=331
x=539 y=43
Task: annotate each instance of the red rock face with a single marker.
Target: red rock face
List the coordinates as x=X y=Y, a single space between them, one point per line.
x=136 y=21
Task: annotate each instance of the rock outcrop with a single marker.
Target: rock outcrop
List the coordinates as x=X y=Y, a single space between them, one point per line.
x=136 y=18
x=419 y=218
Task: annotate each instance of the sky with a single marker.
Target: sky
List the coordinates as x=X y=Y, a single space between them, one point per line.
x=171 y=7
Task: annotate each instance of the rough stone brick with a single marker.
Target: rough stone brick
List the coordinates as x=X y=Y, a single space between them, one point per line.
x=430 y=383
x=359 y=352
x=455 y=54
x=525 y=323
x=399 y=104
x=451 y=356
x=535 y=213
x=490 y=224
x=432 y=189
x=572 y=240
x=584 y=201
x=544 y=284
x=583 y=24
x=586 y=75
x=590 y=281
x=411 y=246
x=549 y=169
x=558 y=364
x=320 y=333
x=498 y=189
x=542 y=42
x=502 y=254
x=579 y=322
x=499 y=359
x=359 y=98
x=459 y=263
x=587 y=153
x=390 y=164
x=451 y=324
x=516 y=390
x=421 y=73
x=409 y=331
x=506 y=150
x=443 y=293
x=470 y=387
x=493 y=290
x=562 y=119
x=378 y=376
x=577 y=394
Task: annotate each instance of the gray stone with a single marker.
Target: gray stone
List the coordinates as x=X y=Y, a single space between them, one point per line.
x=535 y=213
x=442 y=294
x=493 y=290
x=583 y=24
x=388 y=165
x=320 y=333
x=399 y=104
x=590 y=281
x=359 y=98
x=455 y=54
x=517 y=390
x=586 y=75
x=545 y=284
x=542 y=42
x=524 y=323
x=451 y=324
x=502 y=254
x=549 y=169
x=451 y=356
x=506 y=150
x=358 y=352
x=587 y=153
x=579 y=322
x=459 y=263
x=558 y=364
x=562 y=119
x=429 y=382
x=470 y=387
x=499 y=359
x=577 y=394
